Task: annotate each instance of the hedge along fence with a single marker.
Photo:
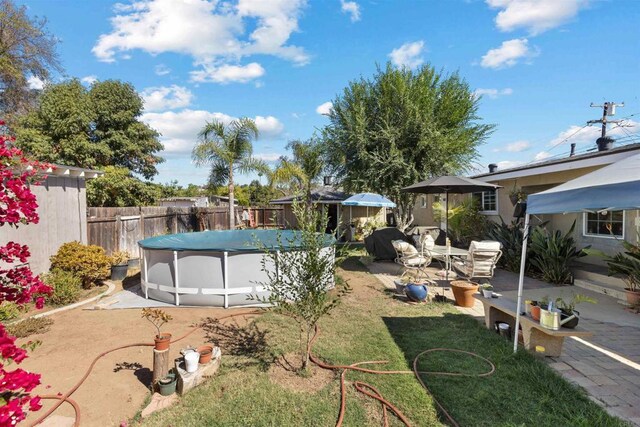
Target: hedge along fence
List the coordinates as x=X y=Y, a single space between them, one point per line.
x=120 y=229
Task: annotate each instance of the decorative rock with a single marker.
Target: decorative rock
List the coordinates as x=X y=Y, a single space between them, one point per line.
x=187 y=380
x=158 y=402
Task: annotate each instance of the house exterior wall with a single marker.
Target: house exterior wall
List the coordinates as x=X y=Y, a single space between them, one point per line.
x=62 y=209
x=536 y=183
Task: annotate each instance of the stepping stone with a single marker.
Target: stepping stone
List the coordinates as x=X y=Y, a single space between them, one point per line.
x=159 y=402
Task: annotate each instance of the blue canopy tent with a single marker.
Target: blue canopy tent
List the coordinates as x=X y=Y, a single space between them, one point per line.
x=614 y=187
x=368 y=200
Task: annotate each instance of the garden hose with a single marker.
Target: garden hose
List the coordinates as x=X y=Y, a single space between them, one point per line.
x=65 y=397
x=360 y=386
x=370 y=391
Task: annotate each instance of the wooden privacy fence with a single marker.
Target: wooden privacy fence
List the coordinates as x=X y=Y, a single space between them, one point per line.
x=120 y=229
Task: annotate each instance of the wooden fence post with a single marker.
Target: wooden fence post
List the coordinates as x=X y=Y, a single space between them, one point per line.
x=175 y=222
x=118 y=233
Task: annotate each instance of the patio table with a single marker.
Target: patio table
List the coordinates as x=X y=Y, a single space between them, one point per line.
x=447 y=253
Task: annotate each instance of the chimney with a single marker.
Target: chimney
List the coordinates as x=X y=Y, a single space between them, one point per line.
x=604 y=143
x=573 y=149
x=493 y=167
x=328 y=180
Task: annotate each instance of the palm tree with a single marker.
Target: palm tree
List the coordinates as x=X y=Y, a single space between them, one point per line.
x=304 y=169
x=228 y=149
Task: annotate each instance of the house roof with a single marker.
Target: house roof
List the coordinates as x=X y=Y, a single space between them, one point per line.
x=72 y=171
x=590 y=159
x=324 y=195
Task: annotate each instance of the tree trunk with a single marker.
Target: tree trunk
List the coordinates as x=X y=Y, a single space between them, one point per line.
x=232 y=208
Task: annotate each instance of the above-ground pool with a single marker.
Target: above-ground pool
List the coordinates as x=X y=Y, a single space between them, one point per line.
x=213 y=268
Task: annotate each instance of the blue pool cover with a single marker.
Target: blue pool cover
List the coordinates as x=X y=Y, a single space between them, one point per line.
x=229 y=241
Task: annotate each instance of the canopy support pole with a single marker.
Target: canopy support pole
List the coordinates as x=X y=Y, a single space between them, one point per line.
x=523 y=261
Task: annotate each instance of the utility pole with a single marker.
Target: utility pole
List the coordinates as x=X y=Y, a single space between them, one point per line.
x=608 y=109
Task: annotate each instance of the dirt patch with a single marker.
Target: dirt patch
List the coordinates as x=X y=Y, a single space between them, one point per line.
x=283 y=373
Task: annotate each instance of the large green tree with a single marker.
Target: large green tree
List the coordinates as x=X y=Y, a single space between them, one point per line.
x=228 y=149
x=27 y=50
x=400 y=127
x=119 y=188
x=302 y=170
x=91 y=128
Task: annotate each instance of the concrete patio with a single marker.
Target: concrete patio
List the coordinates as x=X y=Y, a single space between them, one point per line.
x=606 y=365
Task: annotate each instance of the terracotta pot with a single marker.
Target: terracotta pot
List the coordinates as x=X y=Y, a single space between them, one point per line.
x=206 y=351
x=633 y=297
x=162 y=341
x=535 y=312
x=463 y=292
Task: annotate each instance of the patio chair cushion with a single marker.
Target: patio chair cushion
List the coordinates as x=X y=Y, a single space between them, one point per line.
x=404 y=248
x=484 y=245
x=412 y=261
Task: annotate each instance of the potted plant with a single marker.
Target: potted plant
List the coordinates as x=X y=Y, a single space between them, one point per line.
x=158 y=318
x=627 y=266
x=206 y=351
x=167 y=385
x=119 y=265
x=568 y=309
x=463 y=291
x=487 y=290
x=517 y=195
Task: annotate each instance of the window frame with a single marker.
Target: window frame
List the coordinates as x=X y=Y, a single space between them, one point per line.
x=482 y=210
x=603 y=236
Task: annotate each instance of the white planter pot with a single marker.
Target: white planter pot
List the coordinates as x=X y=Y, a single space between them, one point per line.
x=191 y=361
x=487 y=293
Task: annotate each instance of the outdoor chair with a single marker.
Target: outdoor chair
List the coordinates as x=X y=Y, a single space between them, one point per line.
x=410 y=259
x=481 y=261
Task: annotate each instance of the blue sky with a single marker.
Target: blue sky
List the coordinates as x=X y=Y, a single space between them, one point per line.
x=538 y=63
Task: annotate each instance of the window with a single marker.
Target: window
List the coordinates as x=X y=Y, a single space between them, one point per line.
x=423 y=201
x=604 y=224
x=487 y=200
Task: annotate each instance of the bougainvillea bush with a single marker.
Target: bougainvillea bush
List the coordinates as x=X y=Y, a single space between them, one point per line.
x=18 y=284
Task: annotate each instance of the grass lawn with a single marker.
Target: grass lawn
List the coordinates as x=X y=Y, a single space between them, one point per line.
x=371 y=325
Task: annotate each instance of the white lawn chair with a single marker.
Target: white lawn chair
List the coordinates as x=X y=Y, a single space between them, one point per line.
x=410 y=259
x=481 y=261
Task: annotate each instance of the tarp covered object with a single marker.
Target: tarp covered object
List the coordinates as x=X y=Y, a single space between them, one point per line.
x=614 y=187
x=229 y=241
x=378 y=243
x=369 y=199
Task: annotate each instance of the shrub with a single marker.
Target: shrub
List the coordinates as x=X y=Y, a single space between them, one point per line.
x=66 y=287
x=553 y=253
x=119 y=258
x=8 y=311
x=510 y=236
x=88 y=262
x=30 y=326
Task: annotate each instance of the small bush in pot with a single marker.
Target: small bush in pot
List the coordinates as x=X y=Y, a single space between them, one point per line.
x=568 y=308
x=119 y=265
x=158 y=318
x=89 y=262
x=487 y=290
x=66 y=287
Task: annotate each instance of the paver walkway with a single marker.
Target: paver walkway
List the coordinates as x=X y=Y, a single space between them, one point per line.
x=606 y=365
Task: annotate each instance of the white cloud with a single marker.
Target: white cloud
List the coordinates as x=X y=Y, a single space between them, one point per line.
x=228 y=73
x=162 y=70
x=324 y=108
x=515 y=147
x=269 y=126
x=541 y=156
x=408 y=55
x=352 y=8
x=536 y=16
x=493 y=93
x=508 y=54
x=166 y=98
x=89 y=79
x=507 y=164
x=589 y=134
x=35 y=83
x=213 y=33
x=180 y=129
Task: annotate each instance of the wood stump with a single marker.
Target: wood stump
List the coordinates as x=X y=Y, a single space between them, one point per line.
x=160 y=364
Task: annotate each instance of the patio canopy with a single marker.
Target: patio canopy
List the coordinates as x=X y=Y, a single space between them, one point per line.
x=370 y=200
x=614 y=187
